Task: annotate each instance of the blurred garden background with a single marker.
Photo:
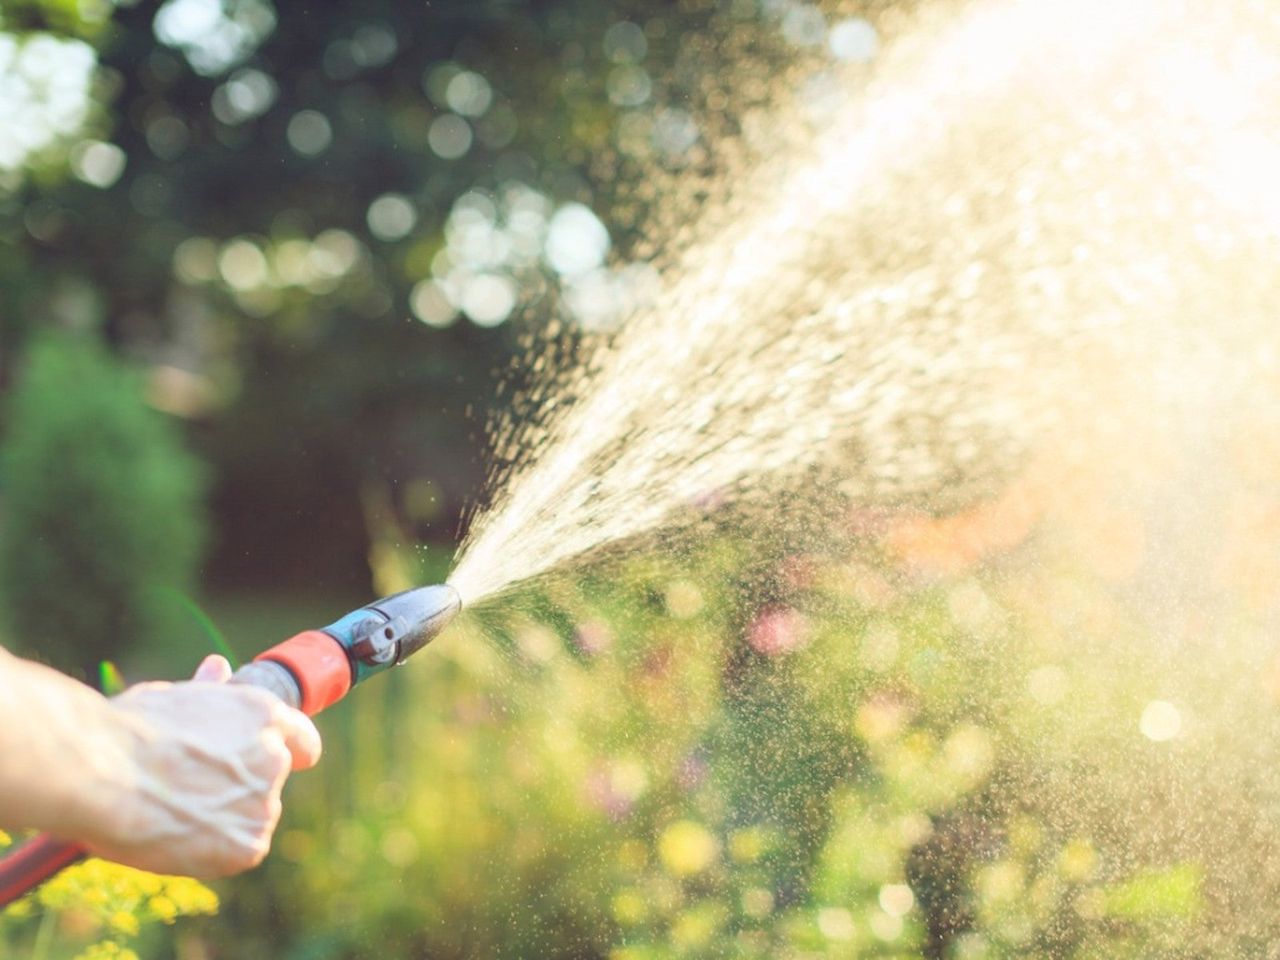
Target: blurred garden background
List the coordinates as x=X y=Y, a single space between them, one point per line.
x=262 y=270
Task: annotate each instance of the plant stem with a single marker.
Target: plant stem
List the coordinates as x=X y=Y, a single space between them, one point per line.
x=44 y=936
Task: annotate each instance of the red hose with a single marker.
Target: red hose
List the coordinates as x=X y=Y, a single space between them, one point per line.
x=31 y=864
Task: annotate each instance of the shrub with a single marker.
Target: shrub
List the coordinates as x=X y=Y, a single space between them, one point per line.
x=102 y=516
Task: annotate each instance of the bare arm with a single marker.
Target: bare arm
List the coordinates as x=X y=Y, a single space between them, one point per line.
x=177 y=778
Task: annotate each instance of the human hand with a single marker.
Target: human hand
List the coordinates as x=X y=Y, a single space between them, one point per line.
x=203 y=766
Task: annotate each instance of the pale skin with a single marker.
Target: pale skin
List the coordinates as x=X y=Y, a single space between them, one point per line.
x=178 y=778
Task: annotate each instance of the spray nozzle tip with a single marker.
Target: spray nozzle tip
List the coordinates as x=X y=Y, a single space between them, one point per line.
x=449 y=602
x=424 y=613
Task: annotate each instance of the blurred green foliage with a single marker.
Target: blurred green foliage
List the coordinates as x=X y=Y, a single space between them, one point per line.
x=216 y=219
x=102 y=519
x=78 y=18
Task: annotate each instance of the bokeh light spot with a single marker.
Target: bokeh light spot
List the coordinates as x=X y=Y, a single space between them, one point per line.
x=449 y=136
x=776 y=632
x=468 y=94
x=1161 y=721
x=853 y=40
x=245 y=95
x=757 y=902
x=214 y=35
x=391 y=217
x=243 y=265
x=577 y=241
x=429 y=304
x=885 y=926
x=836 y=923
x=896 y=899
x=488 y=299
x=44 y=93
x=97 y=163
x=970 y=751
x=373 y=45
x=196 y=260
x=804 y=25
x=628 y=85
x=335 y=252
x=309 y=133
x=625 y=42
x=683 y=599
x=167 y=136
x=674 y=131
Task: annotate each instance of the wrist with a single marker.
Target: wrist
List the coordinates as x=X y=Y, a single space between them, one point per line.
x=71 y=755
x=109 y=802
x=96 y=803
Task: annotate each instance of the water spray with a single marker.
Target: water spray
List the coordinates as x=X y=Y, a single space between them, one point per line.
x=310 y=672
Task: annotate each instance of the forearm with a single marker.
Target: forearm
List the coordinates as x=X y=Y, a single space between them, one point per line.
x=63 y=756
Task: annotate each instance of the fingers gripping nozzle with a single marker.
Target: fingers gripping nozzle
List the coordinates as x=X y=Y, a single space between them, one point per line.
x=316 y=668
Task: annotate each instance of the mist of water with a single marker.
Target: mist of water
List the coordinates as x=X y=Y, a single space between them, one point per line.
x=1031 y=218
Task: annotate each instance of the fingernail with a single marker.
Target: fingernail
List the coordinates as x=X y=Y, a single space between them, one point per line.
x=210 y=669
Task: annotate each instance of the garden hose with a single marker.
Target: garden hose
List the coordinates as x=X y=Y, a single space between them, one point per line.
x=310 y=671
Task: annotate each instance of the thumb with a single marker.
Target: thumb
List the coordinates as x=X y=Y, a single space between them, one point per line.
x=213 y=669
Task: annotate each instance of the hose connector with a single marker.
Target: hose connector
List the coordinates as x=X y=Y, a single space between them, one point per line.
x=323 y=665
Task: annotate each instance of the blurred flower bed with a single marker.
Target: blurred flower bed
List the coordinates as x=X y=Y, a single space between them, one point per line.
x=943 y=740
x=954 y=737
x=807 y=758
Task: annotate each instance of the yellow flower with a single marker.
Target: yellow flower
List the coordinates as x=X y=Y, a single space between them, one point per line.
x=191 y=897
x=696 y=928
x=686 y=848
x=1078 y=860
x=747 y=845
x=107 y=950
x=163 y=908
x=122 y=921
x=629 y=908
x=123 y=899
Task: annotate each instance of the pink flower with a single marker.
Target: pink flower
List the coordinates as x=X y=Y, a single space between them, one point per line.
x=692 y=771
x=778 y=631
x=613 y=787
x=798 y=571
x=593 y=637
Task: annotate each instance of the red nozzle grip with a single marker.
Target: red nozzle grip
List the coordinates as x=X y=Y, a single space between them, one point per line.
x=318 y=663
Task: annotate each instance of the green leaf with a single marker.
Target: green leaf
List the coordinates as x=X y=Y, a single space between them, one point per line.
x=1153 y=894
